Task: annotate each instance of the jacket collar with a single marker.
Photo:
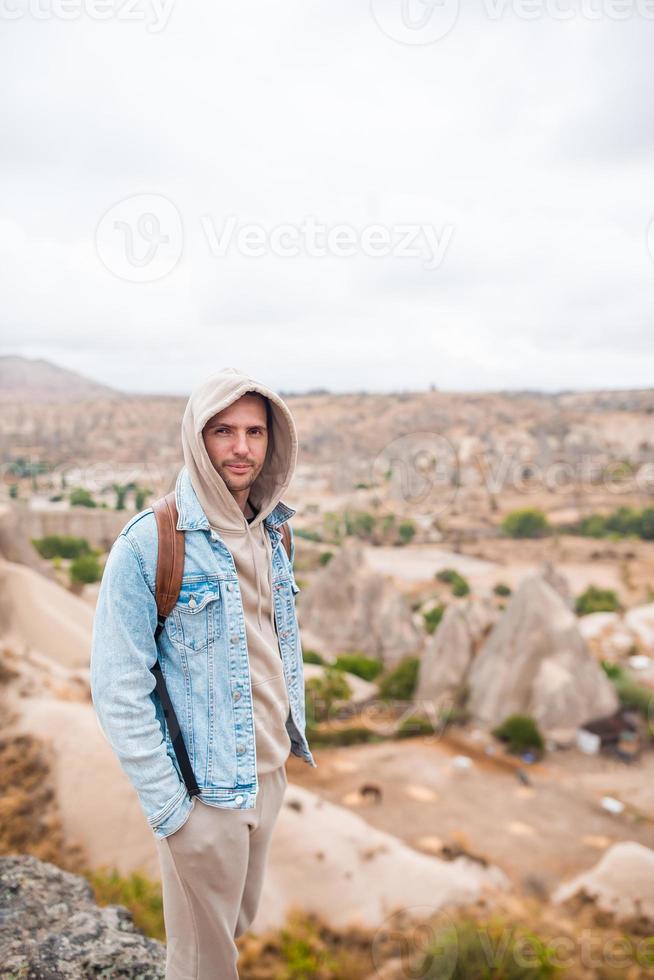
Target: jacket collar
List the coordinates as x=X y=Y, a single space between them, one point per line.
x=191 y=517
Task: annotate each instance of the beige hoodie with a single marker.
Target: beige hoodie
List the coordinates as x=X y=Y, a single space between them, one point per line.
x=249 y=544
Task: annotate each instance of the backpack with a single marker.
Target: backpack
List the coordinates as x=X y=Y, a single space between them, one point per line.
x=170 y=568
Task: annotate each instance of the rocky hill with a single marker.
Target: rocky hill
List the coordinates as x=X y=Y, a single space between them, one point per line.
x=33 y=380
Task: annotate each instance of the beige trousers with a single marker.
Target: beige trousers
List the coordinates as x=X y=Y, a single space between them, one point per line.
x=212 y=872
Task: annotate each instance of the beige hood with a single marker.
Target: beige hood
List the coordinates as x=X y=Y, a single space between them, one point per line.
x=209 y=397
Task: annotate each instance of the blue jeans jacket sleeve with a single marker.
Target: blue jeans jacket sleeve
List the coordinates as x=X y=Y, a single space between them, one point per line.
x=123 y=651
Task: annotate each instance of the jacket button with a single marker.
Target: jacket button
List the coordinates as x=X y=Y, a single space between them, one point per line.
x=240 y=748
x=236 y=695
x=234 y=638
x=192 y=603
x=230 y=587
x=239 y=800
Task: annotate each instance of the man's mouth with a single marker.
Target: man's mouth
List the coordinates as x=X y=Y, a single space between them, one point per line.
x=239 y=467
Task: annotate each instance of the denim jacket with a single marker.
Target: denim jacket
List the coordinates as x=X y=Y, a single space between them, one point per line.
x=204 y=659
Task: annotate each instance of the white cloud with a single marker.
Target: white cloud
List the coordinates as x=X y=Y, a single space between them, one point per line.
x=532 y=139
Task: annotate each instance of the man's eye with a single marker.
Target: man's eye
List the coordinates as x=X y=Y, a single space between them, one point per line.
x=256 y=432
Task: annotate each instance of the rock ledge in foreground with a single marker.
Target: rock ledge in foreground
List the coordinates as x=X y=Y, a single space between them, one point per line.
x=51 y=927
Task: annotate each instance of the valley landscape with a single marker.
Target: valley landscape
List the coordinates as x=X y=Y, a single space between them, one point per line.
x=476 y=604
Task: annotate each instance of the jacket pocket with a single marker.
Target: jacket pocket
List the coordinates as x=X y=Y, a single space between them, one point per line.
x=196 y=618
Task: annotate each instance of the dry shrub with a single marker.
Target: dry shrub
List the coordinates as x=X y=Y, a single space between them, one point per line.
x=29 y=819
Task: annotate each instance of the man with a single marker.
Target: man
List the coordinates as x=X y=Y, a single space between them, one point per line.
x=231 y=657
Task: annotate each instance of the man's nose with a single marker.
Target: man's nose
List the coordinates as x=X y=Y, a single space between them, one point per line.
x=241 y=445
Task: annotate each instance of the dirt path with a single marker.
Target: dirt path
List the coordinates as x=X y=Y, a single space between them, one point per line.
x=538 y=834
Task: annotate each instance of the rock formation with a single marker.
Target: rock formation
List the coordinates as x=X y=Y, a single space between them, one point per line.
x=621 y=883
x=52 y=927
x=535 y=661
x=450 y=650
x=352 y=608
x=557 y=580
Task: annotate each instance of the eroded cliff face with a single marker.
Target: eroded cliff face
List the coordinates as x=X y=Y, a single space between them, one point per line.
x=52 y=927
x=351 y=607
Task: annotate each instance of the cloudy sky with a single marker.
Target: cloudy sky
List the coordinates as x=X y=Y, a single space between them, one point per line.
x=377 y=194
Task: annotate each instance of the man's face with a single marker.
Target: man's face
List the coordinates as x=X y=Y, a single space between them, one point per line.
x=236 y=441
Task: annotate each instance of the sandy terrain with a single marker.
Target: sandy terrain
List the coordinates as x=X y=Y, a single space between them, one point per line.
x=36 y=613
x=97 y=805
x=543 y=832
x=420 y=563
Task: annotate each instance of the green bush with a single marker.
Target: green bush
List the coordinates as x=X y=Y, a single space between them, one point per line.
x=322 y=692
x=455 y=580
x=303 y=954
x=433 y=617
x=501 y=589
x=595 y=599
x=400 y=683
x=79 y=497
x=120 y=490
x=85 y=569
x=342 y=736
x=406 y=530
x=593 y=526
x=612 y=671
x=355 y=663
x=359 y=524
x=634 y=696
x=300 y=532
x=414 y=725
x=521 y=734
x=487 y=951
x=388 y=523
x=140 y=496
x=529 y=522
x=623 y=522
x=61 y=546
x=136 y=892
x=312 y=657
x=325 y=557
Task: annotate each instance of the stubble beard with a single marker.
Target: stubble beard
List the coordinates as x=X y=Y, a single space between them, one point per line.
x=234 y=482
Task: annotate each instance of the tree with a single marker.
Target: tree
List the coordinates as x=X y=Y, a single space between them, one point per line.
x=79 y=497
x=85 y=569
x=526 y=523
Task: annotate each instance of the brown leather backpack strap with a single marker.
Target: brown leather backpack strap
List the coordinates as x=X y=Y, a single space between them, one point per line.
x=286 y=538
x=170 y=555
x=170 y=569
